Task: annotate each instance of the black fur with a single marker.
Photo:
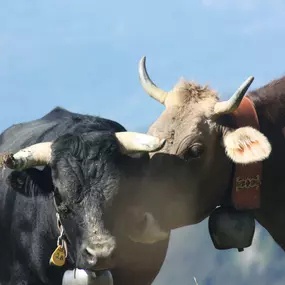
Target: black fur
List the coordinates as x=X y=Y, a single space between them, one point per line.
x=87 y=174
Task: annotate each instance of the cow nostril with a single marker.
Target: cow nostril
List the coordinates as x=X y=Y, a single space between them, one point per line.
x=90 y=251
x=101 y=258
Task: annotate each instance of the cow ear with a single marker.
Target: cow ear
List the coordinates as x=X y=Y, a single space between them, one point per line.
x=246 y=145
x=31 y=182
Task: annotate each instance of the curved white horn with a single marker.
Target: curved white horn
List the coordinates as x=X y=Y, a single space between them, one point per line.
x=229 y=106
x=132 y=142
x=147 y=84
x=34 y=155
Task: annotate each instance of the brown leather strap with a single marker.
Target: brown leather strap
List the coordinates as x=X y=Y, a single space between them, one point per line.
x=248 y=177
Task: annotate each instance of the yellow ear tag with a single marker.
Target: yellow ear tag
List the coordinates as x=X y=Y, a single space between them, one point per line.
x=58 y=257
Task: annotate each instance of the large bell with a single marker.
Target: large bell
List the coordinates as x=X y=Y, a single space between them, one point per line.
x=230 y=228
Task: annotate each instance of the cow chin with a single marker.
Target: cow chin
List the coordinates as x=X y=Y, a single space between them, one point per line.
x=151 y=231
x=93 y=264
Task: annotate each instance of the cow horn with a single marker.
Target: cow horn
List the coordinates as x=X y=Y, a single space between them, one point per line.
x=229 y=106
x=147 y=84
x=132 y=142
x=34 y=155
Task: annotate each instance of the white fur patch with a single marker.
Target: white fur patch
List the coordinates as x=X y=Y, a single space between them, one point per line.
x=41 y=168
x=152 y=232
x=246 y=145
x=82 y=278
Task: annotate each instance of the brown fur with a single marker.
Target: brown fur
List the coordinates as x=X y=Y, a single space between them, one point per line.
x=194 y=92
x=194 y=100
x=183 y=190
x=270 y=105
x=269 y=101
x=191 y=188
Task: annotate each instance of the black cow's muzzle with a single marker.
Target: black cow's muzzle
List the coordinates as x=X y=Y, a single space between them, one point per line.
x=99 y=256
x=230 y=228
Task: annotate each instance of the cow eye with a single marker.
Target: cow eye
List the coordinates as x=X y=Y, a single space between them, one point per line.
x=195 y=151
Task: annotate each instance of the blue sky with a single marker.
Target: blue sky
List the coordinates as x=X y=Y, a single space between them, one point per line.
x=83 y=55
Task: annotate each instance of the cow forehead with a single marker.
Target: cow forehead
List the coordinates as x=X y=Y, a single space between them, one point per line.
x=178 y=122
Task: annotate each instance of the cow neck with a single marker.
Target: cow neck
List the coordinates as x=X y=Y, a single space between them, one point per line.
x=246 y=177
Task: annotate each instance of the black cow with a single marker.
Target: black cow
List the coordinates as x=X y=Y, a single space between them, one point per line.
x=85 y=190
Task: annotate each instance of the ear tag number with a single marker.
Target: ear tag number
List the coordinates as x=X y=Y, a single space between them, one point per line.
x=58 y=256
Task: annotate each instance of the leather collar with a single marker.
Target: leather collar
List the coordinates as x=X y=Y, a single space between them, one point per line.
x=247 y=177
x=63 y=235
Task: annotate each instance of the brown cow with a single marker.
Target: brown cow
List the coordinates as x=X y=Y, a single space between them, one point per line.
x=216 y=150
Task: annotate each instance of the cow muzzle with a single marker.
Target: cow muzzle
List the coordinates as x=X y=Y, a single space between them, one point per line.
x=230 y=228
x=99 y=254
